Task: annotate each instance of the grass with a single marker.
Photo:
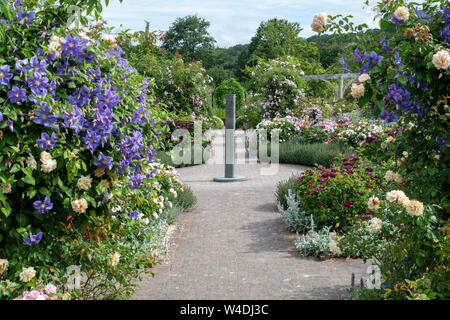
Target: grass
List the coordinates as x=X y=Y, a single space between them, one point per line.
x=310 y=154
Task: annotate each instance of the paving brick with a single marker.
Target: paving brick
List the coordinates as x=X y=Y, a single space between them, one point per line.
x=236 y=233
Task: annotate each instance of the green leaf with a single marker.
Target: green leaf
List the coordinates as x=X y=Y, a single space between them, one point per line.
x=379 y=105
x=15 y=168
x=403 y=80
x=29 y=180
x=6 y=209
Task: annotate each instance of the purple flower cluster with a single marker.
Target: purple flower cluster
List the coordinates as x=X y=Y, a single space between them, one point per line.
x=26 y=18
x=17 y=95
x=397 y=21
x=445 y=34
x=446 y=14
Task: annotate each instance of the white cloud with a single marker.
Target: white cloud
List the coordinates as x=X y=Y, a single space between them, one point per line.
x=232 y=21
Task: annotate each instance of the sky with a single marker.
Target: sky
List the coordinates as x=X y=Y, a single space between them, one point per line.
x=232 y=21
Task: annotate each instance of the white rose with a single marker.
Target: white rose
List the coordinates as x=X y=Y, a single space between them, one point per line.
x=357 y=90
x=115 y=258
x=84 y=183
x=375 y=224
x=3 y=265
x=441 y=59
x=414 y=208
x=402 y=13
x=397 y=196
x=373 y=203
x=27 y=274
x=31 y=163
x=79 y=205
x=363 y=78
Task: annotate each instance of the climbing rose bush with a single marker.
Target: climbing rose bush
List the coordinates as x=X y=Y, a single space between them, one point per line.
x=408 y=73
x=280 y=85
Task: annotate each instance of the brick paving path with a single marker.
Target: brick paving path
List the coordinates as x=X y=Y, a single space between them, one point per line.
x=234 y=245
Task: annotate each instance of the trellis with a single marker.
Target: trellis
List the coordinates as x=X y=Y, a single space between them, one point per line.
x=326 y=77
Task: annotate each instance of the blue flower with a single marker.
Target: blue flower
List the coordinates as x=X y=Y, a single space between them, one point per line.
x=92 y=140
x=42 y=206
x=388 y=116
x=38 y=66
x=73 y=46
x=344 y=65
x=33 y=239
x=10 y=124
x=441 y=141
x=446 y=14
x=47 y=142
x=374 y=59
x=38 y=84
x=383 y=286
x=365 y=68
x=16 y=95
x=134 y=214
x=5 y=76
x=397 y=21
x=103 y=162
x=43 y=116
x=26 y=18
x=386 y=48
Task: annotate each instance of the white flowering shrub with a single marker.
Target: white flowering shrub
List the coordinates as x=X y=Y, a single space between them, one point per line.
x=318 y=244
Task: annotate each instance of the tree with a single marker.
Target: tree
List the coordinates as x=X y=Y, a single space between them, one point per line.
x=190 y=37
x=277 y=38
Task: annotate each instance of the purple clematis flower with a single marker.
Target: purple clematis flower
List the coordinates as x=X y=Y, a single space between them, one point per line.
x=1 y=116
x=358 y=56
x=397 y=21
x=16 y=95
x=374 y=59
x=134 y=214
x=10 y=124
x=26 y=18
x=446 y=14
x=103 y=162
x=43 y=116
x=386 y=48
x=5 y=76
x=110 y=99
x=38 y=66
x=423 y=15
x=441 y=141
x=38 y=84
x=344 y=65
x=33 y=239
x=365 y=68
x=388 y=116
x=21 y=65
x=72 y=46
x=445 y=34
x=47 y=142
x=43 y=206
x=135 y=181
x=92 y=140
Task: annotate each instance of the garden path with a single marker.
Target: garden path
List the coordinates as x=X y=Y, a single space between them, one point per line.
x=234 y=245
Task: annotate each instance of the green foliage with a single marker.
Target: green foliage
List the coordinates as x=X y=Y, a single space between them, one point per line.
x=230 y=86
x=248 y=116
x=337 y=196
x=310 y=154
x=189 y=37
x=282 y=190
x=279 y=83
x=217 y=122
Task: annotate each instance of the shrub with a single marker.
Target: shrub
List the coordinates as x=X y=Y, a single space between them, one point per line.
x=230 y=86
x=217 y=123
x=337 y=196
x=296 y=220
x=317 y=244
x=279 y=83
x=248 y=117
x=310 y=154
